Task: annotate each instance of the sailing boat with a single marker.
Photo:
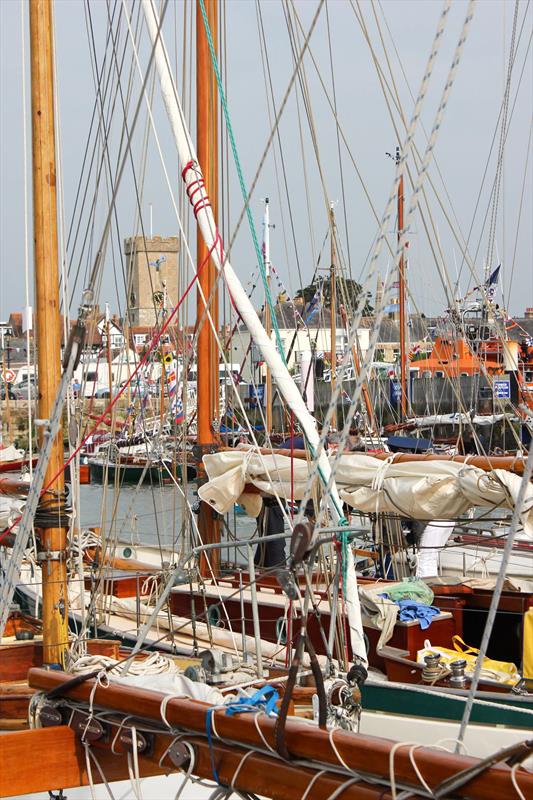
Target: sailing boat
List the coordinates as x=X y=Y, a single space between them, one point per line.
x=97 y=727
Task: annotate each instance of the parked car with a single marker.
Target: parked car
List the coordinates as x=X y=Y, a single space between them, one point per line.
x=9 y=391
x=20 y=390
x=104 y=391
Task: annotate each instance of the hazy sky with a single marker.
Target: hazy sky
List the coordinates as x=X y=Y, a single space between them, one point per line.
x=408 y=27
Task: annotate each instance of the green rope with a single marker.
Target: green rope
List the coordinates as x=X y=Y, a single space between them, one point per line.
x=258 y=252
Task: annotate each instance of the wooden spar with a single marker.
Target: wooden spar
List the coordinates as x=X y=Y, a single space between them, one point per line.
x=332 y=309
x=403 y=320
x=62 y=762
x=357 y=367
x=207 y=355
x=268 y=321
x=513 y=464
x=43 y=759
x=368 y=754
x=54 y=540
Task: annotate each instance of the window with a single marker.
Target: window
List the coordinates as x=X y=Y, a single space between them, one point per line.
x=439 y=374
x=92 y=376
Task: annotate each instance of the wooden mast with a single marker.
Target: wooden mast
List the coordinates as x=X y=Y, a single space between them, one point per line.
x=364 y=385
x=207 y=356
x=48 y=328
x=333 y=302
x=401 y=287
x=268 y=322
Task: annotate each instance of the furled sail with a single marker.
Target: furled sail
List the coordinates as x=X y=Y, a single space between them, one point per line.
x=427 y=490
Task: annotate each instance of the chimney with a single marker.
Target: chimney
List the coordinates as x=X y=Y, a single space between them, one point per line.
x=529 y=313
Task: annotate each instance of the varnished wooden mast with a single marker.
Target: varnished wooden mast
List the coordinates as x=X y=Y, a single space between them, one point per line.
x=53 y=540
x=364 y=386
x=207 y=356
x=403 y=320
x=333 y=302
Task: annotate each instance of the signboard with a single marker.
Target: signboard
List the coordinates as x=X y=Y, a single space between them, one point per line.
x=502 y=389
x=8 y=376
x=257 y=393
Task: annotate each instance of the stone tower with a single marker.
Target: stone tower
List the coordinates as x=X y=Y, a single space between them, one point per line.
x=152 y=264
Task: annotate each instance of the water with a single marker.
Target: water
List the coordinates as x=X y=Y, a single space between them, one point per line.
x=149 y=515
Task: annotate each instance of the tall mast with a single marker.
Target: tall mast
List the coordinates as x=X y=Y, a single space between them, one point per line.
x=333 y=303
x=401 y=288
x=207 y=363
x=48 y=327
x=268 y=321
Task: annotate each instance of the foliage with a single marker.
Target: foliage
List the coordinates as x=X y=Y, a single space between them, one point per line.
x=348 y=293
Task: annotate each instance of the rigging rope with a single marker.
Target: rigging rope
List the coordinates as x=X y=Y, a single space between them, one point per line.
x=245 y=195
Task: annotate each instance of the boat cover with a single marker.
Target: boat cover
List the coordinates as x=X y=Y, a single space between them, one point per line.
x=423 y=490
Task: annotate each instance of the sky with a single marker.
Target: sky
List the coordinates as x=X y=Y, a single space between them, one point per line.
x=302 y=173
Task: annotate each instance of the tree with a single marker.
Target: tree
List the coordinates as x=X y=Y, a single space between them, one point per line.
x=348 y=294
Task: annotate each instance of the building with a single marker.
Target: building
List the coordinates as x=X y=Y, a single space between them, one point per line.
x=299 y=331
x=152 y=273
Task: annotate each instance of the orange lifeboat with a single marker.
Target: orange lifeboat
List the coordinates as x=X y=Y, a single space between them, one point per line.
x=453 y=357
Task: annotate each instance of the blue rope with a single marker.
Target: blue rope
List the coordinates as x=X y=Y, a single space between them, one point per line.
x=265 y=698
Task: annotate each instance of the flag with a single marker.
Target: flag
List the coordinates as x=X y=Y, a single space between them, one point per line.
x=490 y=284
x=314 y=305
x=177 y=408
x=415 y=349
x=493 y=277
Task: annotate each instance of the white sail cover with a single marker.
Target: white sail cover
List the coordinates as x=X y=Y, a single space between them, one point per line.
x=456 y=419
x=10 y=453
x=419 y=489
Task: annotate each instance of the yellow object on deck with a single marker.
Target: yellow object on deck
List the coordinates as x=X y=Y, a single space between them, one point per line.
x=528 y=644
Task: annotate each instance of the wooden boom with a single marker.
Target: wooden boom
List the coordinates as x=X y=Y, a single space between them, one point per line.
x=367 y=754
x=488 y=463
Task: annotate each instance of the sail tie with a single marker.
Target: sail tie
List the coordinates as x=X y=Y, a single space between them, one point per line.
x=264 y=699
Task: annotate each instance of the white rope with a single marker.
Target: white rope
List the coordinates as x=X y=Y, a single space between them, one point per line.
x=260 y=732
x=205 y=301
x=384 y=227
x=89 y=770
x=392 y=774
x=416 y=769
x=89 y=754
x=386 y=220
x=190 y=769
x=460 y=699
x=155 y=664
x=236 y=773
x=514 y=770
x=335 y=750
x=312 y=783
x=340 y=789
x=136 y=762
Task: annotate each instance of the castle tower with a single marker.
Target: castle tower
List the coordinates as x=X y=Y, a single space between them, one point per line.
x=152 y=265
